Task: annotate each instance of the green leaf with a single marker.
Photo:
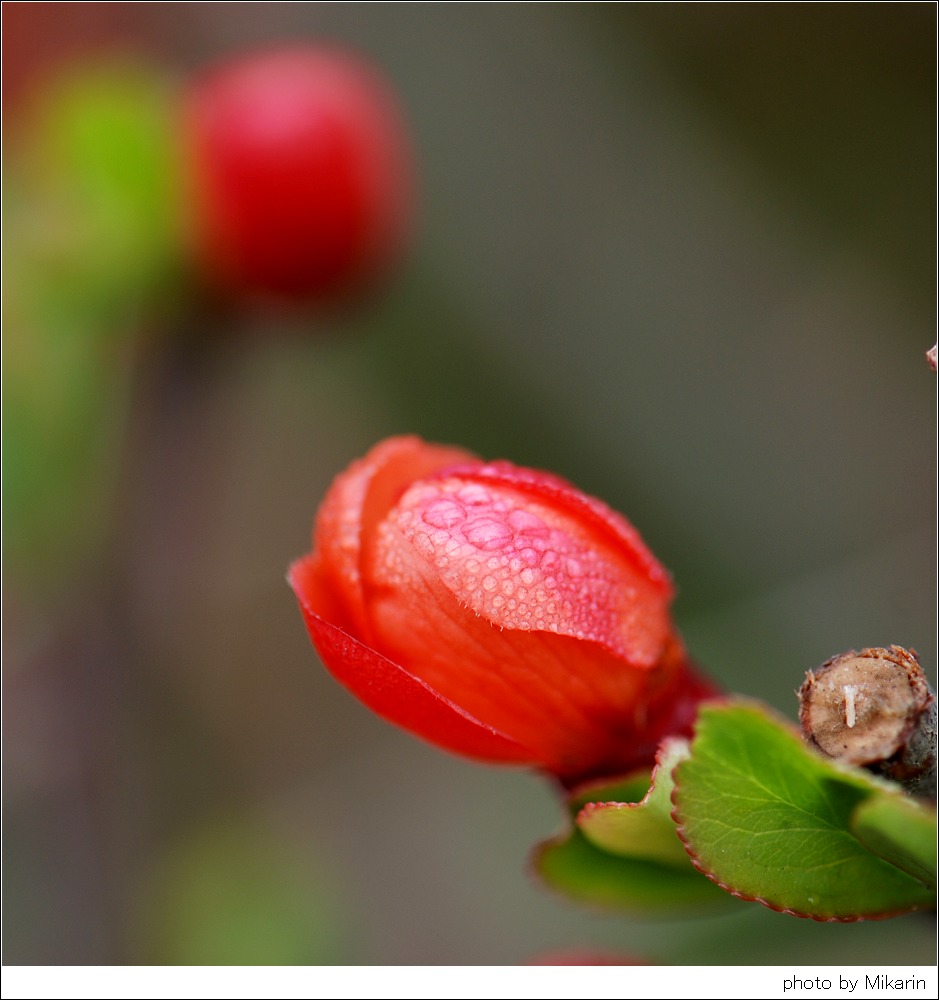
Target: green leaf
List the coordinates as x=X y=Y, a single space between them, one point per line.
x=628 y=789
x=573 y=866
x=623 y=852
x=902 y=830
x=643 y=829
x=769 y=820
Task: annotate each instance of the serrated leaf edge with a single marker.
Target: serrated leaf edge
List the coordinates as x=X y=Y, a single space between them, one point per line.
x=856 y=773
x=670 y=745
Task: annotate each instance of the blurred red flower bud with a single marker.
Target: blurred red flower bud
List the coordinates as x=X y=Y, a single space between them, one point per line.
x=495 y=611
x=299 y=174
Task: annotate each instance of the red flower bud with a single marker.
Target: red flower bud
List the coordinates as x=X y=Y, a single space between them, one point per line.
x=299 y=173
x=495 y=611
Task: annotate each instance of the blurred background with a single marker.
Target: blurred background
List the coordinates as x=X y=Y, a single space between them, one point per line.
x=681 y=254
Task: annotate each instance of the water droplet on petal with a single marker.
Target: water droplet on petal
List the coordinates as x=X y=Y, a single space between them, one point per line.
x=474 y=495
x=444 y=513
x=487 y=533
x=526 y=523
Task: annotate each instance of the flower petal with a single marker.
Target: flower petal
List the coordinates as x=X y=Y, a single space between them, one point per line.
x=356 y=500
x=531 y=553
x=574 y=701
x=392 y=692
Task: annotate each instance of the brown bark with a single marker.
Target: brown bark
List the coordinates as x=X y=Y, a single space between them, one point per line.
x=873 y=708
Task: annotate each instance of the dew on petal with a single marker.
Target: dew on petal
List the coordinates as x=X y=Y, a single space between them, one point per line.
x=444 y=513
x=487 y=533
x=526 y=523
x=474 y=495
x=547 y=569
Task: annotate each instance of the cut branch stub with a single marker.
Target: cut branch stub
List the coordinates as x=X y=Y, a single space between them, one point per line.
x=874 y=709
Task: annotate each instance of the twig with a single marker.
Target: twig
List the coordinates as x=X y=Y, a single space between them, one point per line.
x=874 y=709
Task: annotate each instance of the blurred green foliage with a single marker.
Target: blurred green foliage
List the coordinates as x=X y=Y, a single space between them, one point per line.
x=101 y=214
x=92 y=231
x=233 y=893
